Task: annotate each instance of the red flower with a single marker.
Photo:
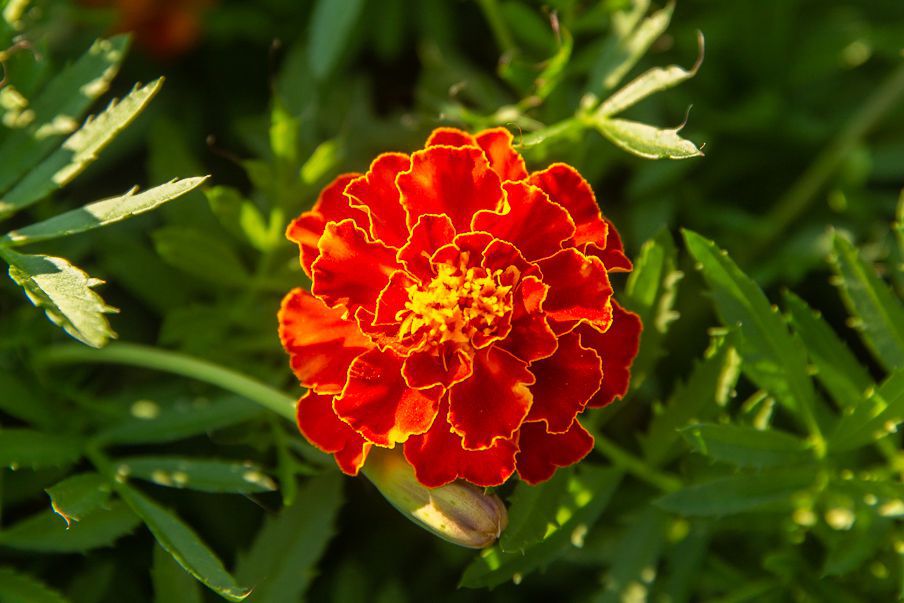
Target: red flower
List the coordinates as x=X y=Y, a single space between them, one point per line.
x=460 y=307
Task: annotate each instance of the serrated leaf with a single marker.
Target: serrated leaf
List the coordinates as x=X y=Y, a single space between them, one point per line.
x=200 y=254
x=638 y=551
x=22 y=447
x=331 y=25
x=746 y=446
x=180 y=421
x=79 y=495
x=773 y=358
x=532 y=512
x=281 y=563
x=171 y=582
x=180 y=541
x=589 y=491
x=646 y=141
x=879 y=413
x=79 y=150
x=766 y=490
x=18 y=587
x=880 y=312
x=65 y=294
x=46 y=532
x=102 y=213
x=59 y=107
x=205 y=475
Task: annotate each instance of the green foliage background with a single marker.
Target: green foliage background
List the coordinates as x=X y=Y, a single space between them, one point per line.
x=755 y=459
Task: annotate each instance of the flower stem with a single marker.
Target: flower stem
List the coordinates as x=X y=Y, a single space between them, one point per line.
x=178 y=364
x=625 y=460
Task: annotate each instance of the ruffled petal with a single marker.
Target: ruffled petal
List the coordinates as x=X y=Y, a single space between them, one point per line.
x=502 y=255
x=321 y=344
x=450 y=137
x=529 y=220
x=378 y=404
x=613 y=256
x=493 y=402
x=565 y=382
x=504 y=159
x=617 y=347
x=567 y=187
x=579 y=289
x=466 y=250
x=376 y=191
x=431 y=232
x=444 y=365
x=439 y=458
x=323 y=429
x=541 y=452
x=331 y=206
x=338 y=276
x=456 y=182
x=531 y=337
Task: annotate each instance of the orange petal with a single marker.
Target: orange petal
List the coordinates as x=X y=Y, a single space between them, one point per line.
x=567 y=187
x=504 y=159
x=456 y=182
x=431 y=232
x=351 y=269
x=531 y=338
x=439 y=458
x=452 y=137
x=541 y=452
x=613 y=256
x=320 y=343
x=492 y=403
x=445 y=365
x=617 y=347
x=565 y=382
x=379 y=405
x=579 y=288
x=320 y=425
x=331 y=206
x=376 y=192
x=466 y=250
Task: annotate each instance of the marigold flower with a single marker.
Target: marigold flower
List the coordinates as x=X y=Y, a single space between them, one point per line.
x=461 y=308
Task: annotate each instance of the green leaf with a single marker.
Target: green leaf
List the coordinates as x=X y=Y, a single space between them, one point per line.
x=836 y=367
x=854 y=547
x=240 y=217
x=880 y=313
x=589 y=491
x=65 y=294
x=773 y=358
x=79 y=495
x=79 y=150
x=766 y=490
x=47 y=533
x=746 y=446
x=646 y=141
x=171 y=582
x=638 y=551
x=200 y=254
x=197 y=474
x=22 y=401
x=102 y=213
x=17 y=587
x=532 y=512
x=878 y=414
x=281 y=563
x=331 y=27
x=180 y=541
x=554 y=68
x=22 y=447
x=650 y=82
x=59 y=107
x=181 y=421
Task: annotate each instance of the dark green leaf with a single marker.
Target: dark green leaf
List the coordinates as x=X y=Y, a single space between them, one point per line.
x=532 y=512
x=200 y=254
x=638 y=551
x=746 y=446
x=21 y=401
x=180 y=541
x=47 y=533
x=21 y=447
x=171 y=582
x=331 y=27
x=197 y=474
x=17 y=587
x=878 y=414
x=79 y=495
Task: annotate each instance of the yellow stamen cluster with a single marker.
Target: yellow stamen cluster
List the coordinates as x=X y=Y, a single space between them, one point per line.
x=455 y=305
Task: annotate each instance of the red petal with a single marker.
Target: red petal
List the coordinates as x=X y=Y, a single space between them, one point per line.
x=531 y=338
x=393 y=298
x=579 y=288
x=465 y=250
x=376 y=191
x=438 y=458
x=530 y=221
x=351 y=269
x=542 y=452
x=613 y=256
x=320 y=425
x=379 y=405
x=502 y=255
x=452 y=137
x=429 y=234
x=493 y=402
x=565 y=382
x=443 y=365
x=320 y=343
x=617 y=347
x=569 y=189
x=504 y=159
x=331 y=206
x=453 y=181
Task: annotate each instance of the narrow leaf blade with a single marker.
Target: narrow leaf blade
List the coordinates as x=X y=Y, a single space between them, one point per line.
x=746 y=446
x=22 y=447
x=205 y=475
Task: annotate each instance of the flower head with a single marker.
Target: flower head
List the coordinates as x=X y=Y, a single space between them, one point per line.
x=460 y=308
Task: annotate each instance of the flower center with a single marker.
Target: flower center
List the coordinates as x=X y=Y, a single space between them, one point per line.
x=455 y=305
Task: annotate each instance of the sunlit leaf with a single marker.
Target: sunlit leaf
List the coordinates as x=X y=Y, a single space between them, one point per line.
x=646 y=141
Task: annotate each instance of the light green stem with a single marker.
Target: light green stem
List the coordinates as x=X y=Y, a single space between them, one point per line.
x=625 y=460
